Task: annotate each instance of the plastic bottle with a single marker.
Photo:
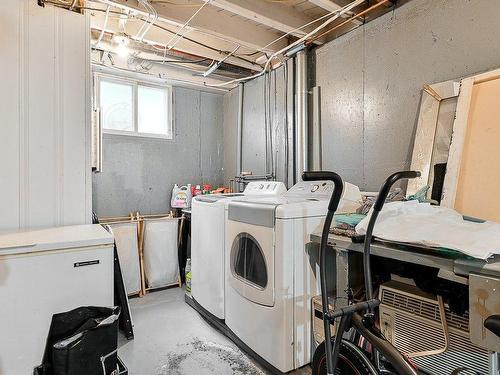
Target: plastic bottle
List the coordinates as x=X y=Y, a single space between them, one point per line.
x=197 y=190
x=181 y=196
x=207 y=188
x=188 y=275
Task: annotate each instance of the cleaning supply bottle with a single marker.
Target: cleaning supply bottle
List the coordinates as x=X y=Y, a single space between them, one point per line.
x=188 y=276
x=207 y=188
x=181 y=196
x=197 y=190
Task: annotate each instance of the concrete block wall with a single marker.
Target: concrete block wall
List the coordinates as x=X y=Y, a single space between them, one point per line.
x=253 y=146
x=139 y=173
x=371 y=80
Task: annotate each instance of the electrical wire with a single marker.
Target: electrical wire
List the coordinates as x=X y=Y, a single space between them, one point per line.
x=218 y=50
x=223 y=52
x=147 y=25
x=184 y=26
x=260 y=50
x=103 y=27
x=338 y=14
x=175 y=61
x=172 y=3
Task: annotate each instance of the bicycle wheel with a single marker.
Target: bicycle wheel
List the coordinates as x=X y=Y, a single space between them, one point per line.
x=352 y=361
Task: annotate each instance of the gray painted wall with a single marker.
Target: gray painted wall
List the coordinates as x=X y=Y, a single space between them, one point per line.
x=371 y=80
x=139 y=173
x=253 y=128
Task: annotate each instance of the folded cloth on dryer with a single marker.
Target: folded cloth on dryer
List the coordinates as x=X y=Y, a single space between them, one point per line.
x=434 y=226
x=347 y=221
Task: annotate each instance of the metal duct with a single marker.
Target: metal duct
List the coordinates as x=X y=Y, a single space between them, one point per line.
x=315 y=157
x=239 y=133
x=301 y=116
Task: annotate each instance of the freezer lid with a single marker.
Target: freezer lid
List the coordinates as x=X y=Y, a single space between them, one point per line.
x=56 y=238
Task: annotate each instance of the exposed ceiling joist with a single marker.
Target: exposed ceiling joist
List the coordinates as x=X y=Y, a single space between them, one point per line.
x=210 y=21
x=174 y=74
x=331 y=6
x=160 y=37
x=278 y=16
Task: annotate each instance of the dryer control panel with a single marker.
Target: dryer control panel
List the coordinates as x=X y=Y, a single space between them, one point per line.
x=266 y=188
x=318 y=189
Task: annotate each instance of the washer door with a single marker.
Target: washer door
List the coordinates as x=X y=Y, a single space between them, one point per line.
x=252 y=265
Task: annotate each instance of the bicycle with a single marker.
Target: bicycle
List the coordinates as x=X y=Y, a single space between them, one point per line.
x=337 y=355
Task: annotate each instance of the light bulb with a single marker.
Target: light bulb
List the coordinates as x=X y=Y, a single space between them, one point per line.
x=122 y=50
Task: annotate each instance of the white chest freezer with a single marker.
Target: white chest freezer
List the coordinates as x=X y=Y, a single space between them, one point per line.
x=43 y=272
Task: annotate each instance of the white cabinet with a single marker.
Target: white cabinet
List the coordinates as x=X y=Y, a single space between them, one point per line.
x=45 y=272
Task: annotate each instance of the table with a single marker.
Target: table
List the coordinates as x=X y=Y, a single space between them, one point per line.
x=349 y=267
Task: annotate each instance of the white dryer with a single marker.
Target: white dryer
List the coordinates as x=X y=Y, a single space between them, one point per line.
x=208 y=214
x=269 y=279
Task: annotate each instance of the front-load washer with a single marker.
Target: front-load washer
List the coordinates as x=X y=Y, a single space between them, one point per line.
x=207 y=242
x=269 y=278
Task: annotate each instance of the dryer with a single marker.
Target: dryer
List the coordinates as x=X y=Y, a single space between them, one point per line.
x=269 y=279
x=208 y=214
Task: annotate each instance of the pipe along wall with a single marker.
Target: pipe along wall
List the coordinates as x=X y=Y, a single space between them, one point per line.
x=371 y=80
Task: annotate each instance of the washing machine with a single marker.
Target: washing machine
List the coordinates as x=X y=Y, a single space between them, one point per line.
x=269 y=276
x=208 y=214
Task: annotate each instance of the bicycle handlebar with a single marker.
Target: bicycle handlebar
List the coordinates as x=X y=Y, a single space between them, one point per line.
x=327 y=176
x=386 y=187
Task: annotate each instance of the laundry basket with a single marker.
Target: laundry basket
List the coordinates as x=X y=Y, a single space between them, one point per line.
x=161 y=260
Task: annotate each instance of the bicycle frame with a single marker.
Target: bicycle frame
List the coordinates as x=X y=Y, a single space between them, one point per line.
x=350 y=315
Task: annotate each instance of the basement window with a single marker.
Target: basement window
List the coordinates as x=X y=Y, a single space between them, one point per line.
x=135 y=108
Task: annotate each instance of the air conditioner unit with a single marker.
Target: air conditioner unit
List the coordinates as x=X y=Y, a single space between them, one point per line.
x=411 y=320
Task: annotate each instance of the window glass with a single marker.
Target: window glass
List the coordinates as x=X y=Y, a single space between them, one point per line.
x=249 y=262
x=152 y=104
x=117 y=106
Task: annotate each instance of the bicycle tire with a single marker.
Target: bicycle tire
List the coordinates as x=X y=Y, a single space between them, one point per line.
x=352 y=360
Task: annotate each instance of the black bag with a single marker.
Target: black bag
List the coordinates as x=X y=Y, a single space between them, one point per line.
x=82 y=341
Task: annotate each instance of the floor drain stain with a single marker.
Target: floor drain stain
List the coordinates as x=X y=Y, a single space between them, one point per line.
x=207 y=358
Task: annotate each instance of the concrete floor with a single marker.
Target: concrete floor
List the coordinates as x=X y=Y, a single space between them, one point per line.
x=173 y=339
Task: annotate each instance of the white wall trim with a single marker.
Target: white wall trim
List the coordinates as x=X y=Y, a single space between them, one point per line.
x=58 y=121
x=88 y=122
x=23 y=115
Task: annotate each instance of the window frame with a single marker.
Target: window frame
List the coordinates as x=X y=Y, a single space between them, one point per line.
x=135 y=83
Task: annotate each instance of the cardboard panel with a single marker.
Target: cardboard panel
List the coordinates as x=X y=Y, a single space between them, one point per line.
x=479 y=176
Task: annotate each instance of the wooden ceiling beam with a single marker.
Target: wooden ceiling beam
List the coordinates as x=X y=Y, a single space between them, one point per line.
x=210 y=21
x=281 y=17
x=160 y=37
x=331 y=6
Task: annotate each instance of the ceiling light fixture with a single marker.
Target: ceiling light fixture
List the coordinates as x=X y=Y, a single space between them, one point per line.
x=122 y=40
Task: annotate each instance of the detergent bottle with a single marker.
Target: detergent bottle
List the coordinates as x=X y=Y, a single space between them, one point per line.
x=188 y=276
x=181 y=196
x=197 y=190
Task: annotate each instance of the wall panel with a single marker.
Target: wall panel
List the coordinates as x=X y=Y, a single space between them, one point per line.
x=44 y=130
